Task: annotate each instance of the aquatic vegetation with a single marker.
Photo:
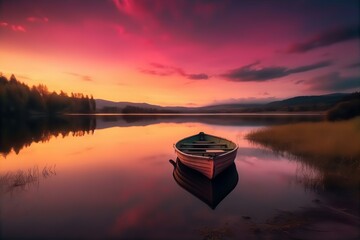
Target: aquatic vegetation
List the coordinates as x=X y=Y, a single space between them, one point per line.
x=330 y=144
x=25 y=178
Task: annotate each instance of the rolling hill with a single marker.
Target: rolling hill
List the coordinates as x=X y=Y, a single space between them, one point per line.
x=295 y=104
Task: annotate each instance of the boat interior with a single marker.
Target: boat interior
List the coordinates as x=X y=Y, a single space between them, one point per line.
x=205 y=145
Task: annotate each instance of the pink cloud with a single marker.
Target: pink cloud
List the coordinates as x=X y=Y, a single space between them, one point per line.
x=15 y=28
x=37 y=19
x=120 y=29
x=4 y=24
x=18 y=28
x=126 y=6
x=176 y=29
x=150 y=14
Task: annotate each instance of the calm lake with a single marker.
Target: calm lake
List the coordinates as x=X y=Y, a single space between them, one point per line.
x=109 y=177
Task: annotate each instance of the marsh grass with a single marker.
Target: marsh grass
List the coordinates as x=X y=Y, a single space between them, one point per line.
x=311 y=178
x=23 y=179
x=325 y=144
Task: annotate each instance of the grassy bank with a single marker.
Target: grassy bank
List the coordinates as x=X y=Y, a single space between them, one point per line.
x=336 y=143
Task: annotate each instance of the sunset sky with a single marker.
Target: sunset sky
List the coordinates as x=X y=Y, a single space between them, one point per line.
x=183 y=52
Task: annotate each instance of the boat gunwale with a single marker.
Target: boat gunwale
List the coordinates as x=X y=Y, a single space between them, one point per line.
x=206 y=157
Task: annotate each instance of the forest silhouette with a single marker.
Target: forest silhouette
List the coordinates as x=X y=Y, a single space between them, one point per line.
x=19 y=100
x=34 y=114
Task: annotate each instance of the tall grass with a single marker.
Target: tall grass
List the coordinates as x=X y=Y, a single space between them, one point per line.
x=331 y=147
x=325 y=142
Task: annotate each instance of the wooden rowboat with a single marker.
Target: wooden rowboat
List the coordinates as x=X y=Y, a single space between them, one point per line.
x=210 y=155
x=211 y=192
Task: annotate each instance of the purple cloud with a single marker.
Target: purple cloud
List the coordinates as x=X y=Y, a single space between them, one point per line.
x=252 y=73
x=353 y=65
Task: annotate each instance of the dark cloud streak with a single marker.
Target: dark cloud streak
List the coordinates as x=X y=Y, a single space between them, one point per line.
x=165 y=70
x=199 y=76
x=249 y=73
x=327 y=38
x=310 y=67
x=353 y=65
x=85 y=78
x=334 y=82
x=156 y=73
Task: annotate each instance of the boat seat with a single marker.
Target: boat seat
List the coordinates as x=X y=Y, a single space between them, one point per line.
x=203 y=141
x=204 y=153
x=203 y=144
x=187 y=148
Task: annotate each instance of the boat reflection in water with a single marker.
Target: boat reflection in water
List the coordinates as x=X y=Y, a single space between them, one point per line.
x=211 y=192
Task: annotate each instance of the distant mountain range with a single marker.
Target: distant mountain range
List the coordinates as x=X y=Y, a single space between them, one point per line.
x=305 y=100
x=106 y=106
x=295 y=104
x=100 y=104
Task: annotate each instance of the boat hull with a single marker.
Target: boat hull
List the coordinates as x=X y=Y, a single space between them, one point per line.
x=210 y=166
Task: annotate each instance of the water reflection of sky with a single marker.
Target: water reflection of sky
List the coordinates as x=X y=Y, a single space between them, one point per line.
x=118 y=182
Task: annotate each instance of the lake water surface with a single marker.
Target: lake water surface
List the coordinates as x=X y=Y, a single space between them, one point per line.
x=110 y=177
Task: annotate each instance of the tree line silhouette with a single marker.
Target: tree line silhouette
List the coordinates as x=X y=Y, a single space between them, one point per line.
x=18 y=99
x=134 y=109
